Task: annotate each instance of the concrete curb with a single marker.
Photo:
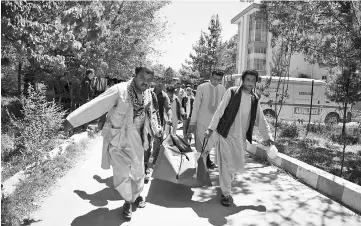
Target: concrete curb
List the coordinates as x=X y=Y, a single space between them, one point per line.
x=10 y=184
x=333 y=186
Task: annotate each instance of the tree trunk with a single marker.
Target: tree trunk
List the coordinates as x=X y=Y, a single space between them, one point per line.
x=344 y=119
x=343 y=137
x=276 y=122
x=309 y=118
x=19 y=78
x=71 y=98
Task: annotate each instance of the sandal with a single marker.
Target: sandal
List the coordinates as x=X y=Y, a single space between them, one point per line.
x=127 y=210
x=139 y=202
x=226 y=200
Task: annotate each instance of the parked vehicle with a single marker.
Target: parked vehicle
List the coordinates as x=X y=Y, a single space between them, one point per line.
x=296 y=107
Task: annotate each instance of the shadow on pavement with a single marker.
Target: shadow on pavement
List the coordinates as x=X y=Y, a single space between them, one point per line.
x=102 y=197
x=107 y=181
x=100 y=216
x=172 y=195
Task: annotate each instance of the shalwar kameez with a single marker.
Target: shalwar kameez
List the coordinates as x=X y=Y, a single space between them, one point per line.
x=125 y=134
x=230 y=151
x=205 y=104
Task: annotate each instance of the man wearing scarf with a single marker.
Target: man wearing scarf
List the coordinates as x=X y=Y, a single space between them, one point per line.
x=131 y=117
x=233 y=122
x=208 y=97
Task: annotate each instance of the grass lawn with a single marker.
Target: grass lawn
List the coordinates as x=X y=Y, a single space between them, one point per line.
x=320 y=149
x=16 y=208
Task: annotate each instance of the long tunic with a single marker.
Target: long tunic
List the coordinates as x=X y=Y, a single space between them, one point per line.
x=208 y=98
x=232 y=149
x=123 y=146
x=119 y=123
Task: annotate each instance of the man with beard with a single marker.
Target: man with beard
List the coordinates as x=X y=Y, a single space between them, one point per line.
x=177 y=110
x=187 y=104
x=165 y=114
x=233 y=122
x=208 y=97
x=128 y=122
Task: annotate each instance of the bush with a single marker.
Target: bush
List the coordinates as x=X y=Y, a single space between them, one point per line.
x=350 y=139
x=40 y=124
x=7 y=147
x=9 y=106
x=7 y=216
x=17 y=207
x=289 y=130
x=317 y=128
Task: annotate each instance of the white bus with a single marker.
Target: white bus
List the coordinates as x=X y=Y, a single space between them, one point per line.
x=297 y=106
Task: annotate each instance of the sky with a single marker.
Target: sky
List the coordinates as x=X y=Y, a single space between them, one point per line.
x=186 y=20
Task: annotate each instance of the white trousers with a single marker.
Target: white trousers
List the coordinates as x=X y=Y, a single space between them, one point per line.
x=230 y=157
x=128 y=172
x=199 y=138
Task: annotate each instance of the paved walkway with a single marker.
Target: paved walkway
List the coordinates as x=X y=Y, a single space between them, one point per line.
x=262 y=196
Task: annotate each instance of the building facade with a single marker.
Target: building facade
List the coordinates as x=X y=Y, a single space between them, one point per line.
x=255 y=52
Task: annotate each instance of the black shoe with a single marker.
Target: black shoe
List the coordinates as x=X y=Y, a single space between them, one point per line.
x=210 y=164
x=139 y=202
x=226 y=200
x=127 y=210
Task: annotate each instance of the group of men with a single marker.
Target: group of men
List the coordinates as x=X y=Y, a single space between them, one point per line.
x=138 y=118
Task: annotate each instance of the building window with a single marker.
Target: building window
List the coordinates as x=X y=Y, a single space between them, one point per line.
x=324 y=77
x=257 y=29
x=260 y=50
x=259 y=64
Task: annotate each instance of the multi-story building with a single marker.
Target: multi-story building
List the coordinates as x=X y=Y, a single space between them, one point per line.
x=255 y=52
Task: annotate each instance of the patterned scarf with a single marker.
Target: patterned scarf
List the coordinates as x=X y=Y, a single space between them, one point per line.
x=138 y=106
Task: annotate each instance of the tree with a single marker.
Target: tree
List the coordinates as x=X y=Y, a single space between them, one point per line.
x=113 y=37
x=198 y=61
x=159 y=70
x=27 y=27
x=169 y=74
x=187 y=75
x=213 y=40
x=60 y=40
x=327 y=33
x=280 y=66
x=228 y=55
x=206 y=50
x=344 y=88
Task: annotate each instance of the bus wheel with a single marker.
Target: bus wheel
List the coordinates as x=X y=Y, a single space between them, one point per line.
x=269 y=113
x=332 y=118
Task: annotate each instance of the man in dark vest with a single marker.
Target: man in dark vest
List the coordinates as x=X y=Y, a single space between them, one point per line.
x=165 y=114
x=87 y=90
x=233 y=123
x=177 y=110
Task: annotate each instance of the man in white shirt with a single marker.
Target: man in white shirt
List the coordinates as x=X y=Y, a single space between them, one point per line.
x=233 y=122
x=208 y=97
x=129 y=120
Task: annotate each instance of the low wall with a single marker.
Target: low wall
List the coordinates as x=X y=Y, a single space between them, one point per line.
x=333 y=186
